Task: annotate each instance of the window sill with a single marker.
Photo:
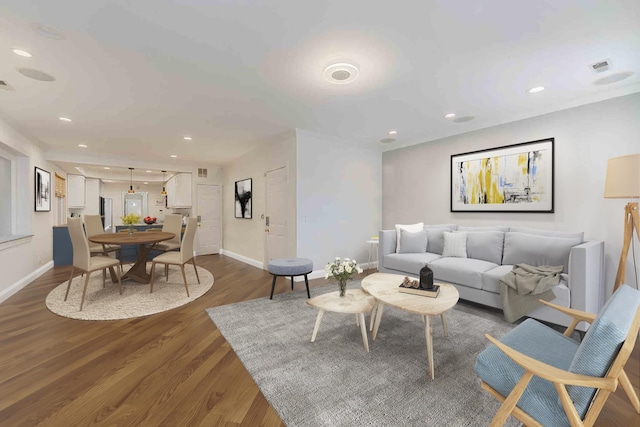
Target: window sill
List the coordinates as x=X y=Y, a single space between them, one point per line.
x=7 y=242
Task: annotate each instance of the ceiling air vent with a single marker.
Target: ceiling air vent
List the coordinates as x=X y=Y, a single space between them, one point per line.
x=4 y=85
x=601 y=66
x=202 y=173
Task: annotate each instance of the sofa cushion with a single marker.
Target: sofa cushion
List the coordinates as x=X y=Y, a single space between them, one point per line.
x=462 y=271
x=502 y=228
x=413 y=242
x=485 y=245
x=455 y=244
x=408 y=227
x=540 y=397
x=521 y=248
x=602 y=342
x=436 y=236
x=408 y=263
x=550 y=233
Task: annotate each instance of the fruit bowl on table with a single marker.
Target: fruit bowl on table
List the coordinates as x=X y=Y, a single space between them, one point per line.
x=149 y=221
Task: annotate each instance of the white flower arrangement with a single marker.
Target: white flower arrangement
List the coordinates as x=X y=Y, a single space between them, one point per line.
x=341 y=270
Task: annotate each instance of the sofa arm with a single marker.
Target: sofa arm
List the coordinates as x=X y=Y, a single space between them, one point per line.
x=386 y=244
x=586 y=276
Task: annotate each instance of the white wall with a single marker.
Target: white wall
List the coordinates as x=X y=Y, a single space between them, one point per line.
x=416 y=183
x=244 y=239
x=339 y=197
x=22 y=263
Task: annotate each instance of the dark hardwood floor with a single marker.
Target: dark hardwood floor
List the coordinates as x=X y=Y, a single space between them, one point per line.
x=169 y=369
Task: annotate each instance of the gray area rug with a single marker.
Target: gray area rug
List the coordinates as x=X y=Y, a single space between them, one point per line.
x=334 y=382
x=106 y=303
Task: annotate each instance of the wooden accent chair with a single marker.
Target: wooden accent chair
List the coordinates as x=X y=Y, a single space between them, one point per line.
x=93 y=226
x=179 y=258
x=545 y=378
x=82 y=259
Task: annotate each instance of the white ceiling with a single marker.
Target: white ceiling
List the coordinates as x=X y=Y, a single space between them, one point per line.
x=137 y=76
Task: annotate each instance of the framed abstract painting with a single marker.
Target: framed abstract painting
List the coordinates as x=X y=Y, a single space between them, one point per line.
x=243 y=199
x=513 y=178
x=42 y=190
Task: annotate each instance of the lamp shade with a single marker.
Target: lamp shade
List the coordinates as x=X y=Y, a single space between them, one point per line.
x=623 y=177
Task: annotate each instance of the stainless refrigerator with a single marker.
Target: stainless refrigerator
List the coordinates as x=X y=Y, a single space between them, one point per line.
x=106 y=212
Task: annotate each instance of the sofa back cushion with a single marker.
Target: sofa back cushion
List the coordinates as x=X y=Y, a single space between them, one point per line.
x=485 y=245
x=550 y=233
x=521 y=248
x=502 y=228
x=412 y=243
x=602 y=342
x=435 y=235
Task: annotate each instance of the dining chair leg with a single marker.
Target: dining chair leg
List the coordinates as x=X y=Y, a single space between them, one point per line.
x=184 y=276
x=193 y=261
x=166 y=272
x=120 y=282
x=104 y=277
x=69 y=284
x=153 y=270
x=84 y=290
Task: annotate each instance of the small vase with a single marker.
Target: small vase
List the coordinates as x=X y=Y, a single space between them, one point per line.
x=342 y=285
x=131 y=229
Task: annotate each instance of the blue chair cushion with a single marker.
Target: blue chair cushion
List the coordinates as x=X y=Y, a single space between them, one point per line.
x=540 y=399
x=602 y=342
x=290 y=266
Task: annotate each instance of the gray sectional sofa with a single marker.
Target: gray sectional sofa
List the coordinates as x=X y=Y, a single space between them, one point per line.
x=491 y=252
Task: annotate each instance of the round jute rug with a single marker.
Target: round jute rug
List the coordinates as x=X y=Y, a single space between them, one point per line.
x=136 y=300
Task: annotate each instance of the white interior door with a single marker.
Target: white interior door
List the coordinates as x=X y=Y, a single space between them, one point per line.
x=276 y=208
x=209 y=236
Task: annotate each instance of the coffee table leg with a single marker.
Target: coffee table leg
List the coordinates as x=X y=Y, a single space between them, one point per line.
x=363 y=329
x=427 y=333
x=373 y=316
x=444 y=325
x=379 y=311
x=315 y=329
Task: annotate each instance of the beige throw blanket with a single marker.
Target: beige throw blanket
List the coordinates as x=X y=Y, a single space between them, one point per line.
x=524 y=285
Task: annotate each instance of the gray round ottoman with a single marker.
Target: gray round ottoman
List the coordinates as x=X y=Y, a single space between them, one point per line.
x=290 y=267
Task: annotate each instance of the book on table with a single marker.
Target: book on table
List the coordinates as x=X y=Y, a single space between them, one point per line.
x=433 y=292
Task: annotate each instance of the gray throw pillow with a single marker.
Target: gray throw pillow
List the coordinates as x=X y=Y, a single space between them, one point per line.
x=485 y=245
x=413 y=242
x=521 y=248
x=435 y=235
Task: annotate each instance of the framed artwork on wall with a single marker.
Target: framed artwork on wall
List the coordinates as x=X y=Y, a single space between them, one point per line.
x=243 y=198
x=42 y=190
x=513 y=178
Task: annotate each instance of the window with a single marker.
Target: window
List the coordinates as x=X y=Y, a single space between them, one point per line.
x=15 y=215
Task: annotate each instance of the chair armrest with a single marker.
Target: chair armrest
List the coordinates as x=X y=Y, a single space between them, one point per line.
x=551 y=373
x=578 y=316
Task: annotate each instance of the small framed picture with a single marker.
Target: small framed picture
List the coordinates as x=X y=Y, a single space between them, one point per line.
x=42 y=190
x=243 y=198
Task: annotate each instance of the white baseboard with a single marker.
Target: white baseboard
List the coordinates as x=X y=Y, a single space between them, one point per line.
x=12 y=289
x=246 y=260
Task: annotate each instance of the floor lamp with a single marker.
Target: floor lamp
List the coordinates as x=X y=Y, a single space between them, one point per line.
x=623 y=182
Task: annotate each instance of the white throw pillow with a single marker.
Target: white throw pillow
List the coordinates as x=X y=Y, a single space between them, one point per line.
x=455 y=244
x=410 y=227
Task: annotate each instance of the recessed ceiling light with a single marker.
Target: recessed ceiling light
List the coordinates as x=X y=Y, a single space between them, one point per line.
x=107 y=167
x=174 y=156
x=148 y=171
x=393 y=132
x=187 y=138
x=145 y=182
x=536 y=89
x=64 y=119
x=341 y=73
x=21 y=52
x=449 y=115
x=36 y=74
x=82 y=145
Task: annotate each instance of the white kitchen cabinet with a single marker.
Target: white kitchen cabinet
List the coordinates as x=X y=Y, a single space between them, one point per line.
x=179 y=191
x=93 y=191
x=75 y=191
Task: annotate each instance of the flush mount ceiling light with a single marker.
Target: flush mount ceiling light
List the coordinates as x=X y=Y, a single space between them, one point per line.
x=131 y=191
x=341 y=73
x=536 y=89
x=21 y=52
x=449 y=115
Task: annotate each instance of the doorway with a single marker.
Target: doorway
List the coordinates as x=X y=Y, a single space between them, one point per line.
x=275 y=221
x=209 y=203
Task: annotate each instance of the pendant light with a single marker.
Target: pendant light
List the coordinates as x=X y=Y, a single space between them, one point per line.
x=131 y=191
x=164 y=192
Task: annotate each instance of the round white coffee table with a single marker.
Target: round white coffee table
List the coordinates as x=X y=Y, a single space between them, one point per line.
x=355 y=302
x=385 y=288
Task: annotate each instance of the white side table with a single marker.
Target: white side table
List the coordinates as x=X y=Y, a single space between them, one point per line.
x=373 y=248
